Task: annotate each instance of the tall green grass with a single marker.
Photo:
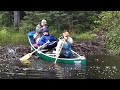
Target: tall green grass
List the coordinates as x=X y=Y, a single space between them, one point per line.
x=86 y=36
x=9 y=36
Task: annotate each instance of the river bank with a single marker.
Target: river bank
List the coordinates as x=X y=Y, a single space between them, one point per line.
x=10 y=66
x=15 y=52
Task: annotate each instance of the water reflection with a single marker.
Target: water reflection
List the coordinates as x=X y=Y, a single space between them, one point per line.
x=97 y=67
x=59 y=71
x=11 y=68
x=41 y=70
x=103 y=67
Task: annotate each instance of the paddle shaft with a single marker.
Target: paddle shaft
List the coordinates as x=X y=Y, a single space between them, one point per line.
x=27 y=56
x=59 y=51
x=39 y=47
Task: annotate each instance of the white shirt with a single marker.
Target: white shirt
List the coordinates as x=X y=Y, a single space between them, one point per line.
x=60 y=42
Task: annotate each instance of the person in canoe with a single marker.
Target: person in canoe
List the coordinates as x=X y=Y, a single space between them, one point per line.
x=45 y=38
x=38 y=33
x=65 y=42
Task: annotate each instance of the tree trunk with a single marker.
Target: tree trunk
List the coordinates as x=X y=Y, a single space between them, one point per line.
x=16 y=19
x=10 y=19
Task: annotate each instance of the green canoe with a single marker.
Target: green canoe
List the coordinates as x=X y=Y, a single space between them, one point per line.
x=50 y=56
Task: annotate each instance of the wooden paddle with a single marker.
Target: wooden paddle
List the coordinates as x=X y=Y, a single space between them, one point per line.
x=25 y=58
x=59 y=51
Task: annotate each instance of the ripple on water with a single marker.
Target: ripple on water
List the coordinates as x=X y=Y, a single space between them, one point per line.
x=101 y=67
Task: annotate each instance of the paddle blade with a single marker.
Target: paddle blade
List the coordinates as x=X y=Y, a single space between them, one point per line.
x=25 y=62
x=27 y=56
x=24 y=59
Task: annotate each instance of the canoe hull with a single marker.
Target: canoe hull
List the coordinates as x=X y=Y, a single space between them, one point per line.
x=59 y=60
x=78 y=60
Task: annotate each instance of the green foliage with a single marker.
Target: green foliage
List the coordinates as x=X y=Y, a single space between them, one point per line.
x=81 y=24
x=12 y=37
x=77 y=22
x=110 y=21
x=60 y=20
x=27 y=24
x=54 y=32
x=83 y=36
x=113 y=41
x=5 y=18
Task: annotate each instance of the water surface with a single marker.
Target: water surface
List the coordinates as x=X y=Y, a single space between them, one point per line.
x=97 y=67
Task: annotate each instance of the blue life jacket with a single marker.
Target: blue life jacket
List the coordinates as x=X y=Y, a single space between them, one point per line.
x=66 y=51
x=30 y=35
x=45 y=38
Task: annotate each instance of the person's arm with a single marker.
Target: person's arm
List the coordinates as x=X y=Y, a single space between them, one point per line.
x=37 y=30
x=52 y=38
x=70 y=40
x=41 y=41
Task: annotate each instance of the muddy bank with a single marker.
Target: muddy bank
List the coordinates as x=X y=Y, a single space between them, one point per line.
x=12 y=68
x=15 y=52
x=10 y=55
x=94 y=47
x=89 y=48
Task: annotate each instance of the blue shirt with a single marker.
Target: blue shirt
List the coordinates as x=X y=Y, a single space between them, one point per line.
x=45 y=38
x=66 y=50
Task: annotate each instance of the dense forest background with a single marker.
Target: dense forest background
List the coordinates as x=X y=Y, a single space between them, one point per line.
x=82 y=25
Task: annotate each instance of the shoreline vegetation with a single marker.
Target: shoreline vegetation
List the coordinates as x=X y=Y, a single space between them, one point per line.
x=8 y=36
x=88 y=27
x=12 y=37
x=83 y=41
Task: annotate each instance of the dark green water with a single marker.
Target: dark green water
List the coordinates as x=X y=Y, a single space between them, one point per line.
x=103 y=67
x=98 y=67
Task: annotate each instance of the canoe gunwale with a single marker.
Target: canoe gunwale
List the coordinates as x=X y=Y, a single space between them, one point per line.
x=39 y=53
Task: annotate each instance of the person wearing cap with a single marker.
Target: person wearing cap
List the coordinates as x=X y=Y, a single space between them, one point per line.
x=67 y=41
x=47 y=37
x=42 y=25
